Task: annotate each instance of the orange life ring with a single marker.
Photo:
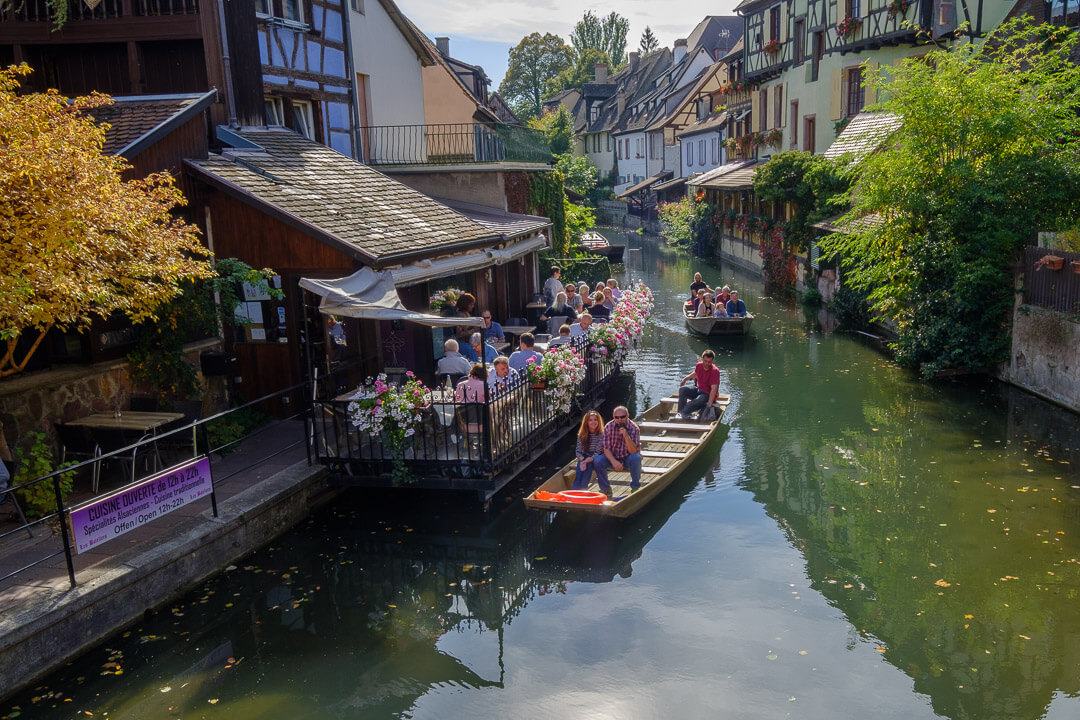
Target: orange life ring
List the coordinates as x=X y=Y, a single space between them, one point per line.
x=584 y=497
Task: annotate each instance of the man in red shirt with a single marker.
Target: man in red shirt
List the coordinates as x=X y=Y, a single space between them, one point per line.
x=707 y=377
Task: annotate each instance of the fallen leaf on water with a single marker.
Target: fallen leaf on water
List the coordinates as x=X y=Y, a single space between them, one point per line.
x=880 y=649
x=802 y=652
x=1024 y=636
x=943 y=583
x=991 y=511
x=968 y=617
x=771 y=656
x=213 y=701
x=166 y=689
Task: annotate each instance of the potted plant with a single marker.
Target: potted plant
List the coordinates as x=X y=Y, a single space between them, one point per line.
x=848 y=26
x=1075 y=266
x=772 y=47
x=390 y=414
x=899 y=7
x=1051 y=262
x=559 y=371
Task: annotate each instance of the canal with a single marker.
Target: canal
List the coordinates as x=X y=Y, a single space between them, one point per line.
x=856 y=544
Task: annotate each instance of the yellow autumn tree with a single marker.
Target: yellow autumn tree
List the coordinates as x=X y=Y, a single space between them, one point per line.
x=77 y=240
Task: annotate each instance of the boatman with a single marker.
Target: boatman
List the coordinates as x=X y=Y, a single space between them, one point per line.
x=622 y=450
x=707 y=377
x=698 y=284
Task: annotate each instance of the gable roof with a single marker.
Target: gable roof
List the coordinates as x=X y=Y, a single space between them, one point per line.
x=716 y=32
x=863 y=135
x=335 y=199
x=137 y=122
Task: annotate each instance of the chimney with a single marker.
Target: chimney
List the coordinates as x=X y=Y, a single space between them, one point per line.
x=600 y=72
x=680 y=50
x=634 y=57
x=443 y=45
x=620 y=98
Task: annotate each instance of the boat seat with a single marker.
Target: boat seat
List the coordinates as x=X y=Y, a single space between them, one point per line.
x=674 y=426
x=662 y=454
x=721 y=400
x=665 y=439
x=654 y=470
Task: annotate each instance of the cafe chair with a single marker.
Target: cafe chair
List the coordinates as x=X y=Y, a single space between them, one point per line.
x=9 y=495
x=554 y=323
x=515 y=321
x=183 y=443
x=471 y=419
x=113 y=439
x=76 y=443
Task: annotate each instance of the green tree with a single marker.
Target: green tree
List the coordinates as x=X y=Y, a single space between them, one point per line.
x=648 y=41
x=579 y=174
x=814 y=185
x=558 y=128
x=986 y=156
x=533 y=62
x=583 y=71
x=608 y=35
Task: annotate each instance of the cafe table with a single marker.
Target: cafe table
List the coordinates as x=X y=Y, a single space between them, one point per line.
x=135 y=420
x=517 y=330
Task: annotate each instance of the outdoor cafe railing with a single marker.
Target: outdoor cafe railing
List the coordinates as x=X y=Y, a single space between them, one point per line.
x=195 y=441
x=455 y=440
x=451 y=144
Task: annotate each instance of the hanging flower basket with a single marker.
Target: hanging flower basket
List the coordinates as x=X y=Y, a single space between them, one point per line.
x=848 y=26
x=772 y=47
x=899 y=7
x=1051 y=262
x=1075 y=266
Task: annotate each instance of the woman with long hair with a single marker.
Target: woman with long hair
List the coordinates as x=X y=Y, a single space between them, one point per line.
x=590 y=445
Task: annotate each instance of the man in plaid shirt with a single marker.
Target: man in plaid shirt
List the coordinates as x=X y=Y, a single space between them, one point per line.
x=622 y=450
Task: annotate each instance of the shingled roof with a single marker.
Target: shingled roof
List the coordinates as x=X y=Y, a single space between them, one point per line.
x=137 y=122
x=336 y=199
x=863 y=135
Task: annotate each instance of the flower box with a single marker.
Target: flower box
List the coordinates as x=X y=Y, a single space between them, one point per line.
x=1051 y=262
x=848 y=26
x=1075 y=266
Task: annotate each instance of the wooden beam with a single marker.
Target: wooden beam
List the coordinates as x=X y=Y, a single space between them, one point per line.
x=677 y=441
x=675 y=426
x=663 y=454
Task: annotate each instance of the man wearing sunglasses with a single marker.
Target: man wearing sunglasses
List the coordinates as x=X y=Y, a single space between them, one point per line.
x=622 y=451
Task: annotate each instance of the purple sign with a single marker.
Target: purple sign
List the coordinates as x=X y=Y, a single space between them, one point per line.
x=134 y=506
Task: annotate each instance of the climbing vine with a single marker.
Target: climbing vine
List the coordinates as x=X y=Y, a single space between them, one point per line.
x=546 y=198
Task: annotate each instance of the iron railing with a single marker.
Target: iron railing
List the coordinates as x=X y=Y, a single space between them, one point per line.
x=1048 y=288
x=40 y=10
x=451 y=144
x=455 y=440
x=191 y=440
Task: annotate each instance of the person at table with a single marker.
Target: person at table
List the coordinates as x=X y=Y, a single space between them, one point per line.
x=610 y=301
x=599 y=311
x=474 y=387
x=622 y=450
x=453 y=362
x=504 y=375
x=600 y=285
x=553 y=285
x=477 y=349
x=559 y=308
x=698 y=284
x=562 y=339
x=572 y=297
x=464 y=308
x=520 y=359
x=586 y=301
x=491 y=330
x=581 y=327
x=707 y=378
x=735 y=306
x=706 y=307
x=613 y=284
x=590 y=446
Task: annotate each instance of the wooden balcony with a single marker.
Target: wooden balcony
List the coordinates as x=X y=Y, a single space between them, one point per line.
x=38 y=11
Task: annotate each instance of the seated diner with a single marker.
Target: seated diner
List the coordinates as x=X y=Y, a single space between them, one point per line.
x=453 y=362
x=563 y=339
x=474 y=387
x=520 y=359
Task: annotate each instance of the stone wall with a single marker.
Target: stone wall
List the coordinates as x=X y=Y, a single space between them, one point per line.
x=1045 y=359
x=37 y=400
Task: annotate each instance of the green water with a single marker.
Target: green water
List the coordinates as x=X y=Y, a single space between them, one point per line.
x=856 y=544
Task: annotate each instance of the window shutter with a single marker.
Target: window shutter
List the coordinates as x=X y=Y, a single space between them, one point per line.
x=836 y=97
x=756 y=110
x=781 y=119
x=783 y=22
x=841 y=10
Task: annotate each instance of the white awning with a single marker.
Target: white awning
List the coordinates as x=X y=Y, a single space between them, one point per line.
x=424 y=270
x=372 y=295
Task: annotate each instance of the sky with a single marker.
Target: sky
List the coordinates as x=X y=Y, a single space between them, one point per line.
x=482 y=32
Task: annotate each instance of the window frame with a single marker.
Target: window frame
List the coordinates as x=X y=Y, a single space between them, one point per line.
x=854 y=91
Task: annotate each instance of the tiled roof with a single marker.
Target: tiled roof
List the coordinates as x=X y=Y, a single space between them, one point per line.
x=131 y=119
x=837 y=224
x=508 y=224
x=706 y=123
x=646 y=183
x=734 y=176
x=863 y=135
x=330 y=195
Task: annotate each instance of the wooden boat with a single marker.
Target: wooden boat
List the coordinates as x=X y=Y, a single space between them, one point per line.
x=716 y=326
x=596 y=244
x=667 y=447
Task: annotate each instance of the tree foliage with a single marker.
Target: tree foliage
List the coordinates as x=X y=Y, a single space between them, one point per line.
x=986 y=155
x=533 y=62
x=77 y=241
x=582 y=71
x=814 y=185
x=648 y=41
x=578 y=172
x=558 y=128
x=608 y=35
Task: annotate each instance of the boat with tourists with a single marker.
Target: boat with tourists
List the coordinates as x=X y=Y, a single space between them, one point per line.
x=668 y=445
x=716 y=325
x=596 y=244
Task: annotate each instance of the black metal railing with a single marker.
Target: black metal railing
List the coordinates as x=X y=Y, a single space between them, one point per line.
x=455 y=439
x=1049 y=287
x=451 y=144
x=168 y=448
x=77 y=10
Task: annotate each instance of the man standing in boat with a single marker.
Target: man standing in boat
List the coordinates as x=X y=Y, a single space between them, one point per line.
x=698 y=284
x=622 y=450
x=707 y=377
